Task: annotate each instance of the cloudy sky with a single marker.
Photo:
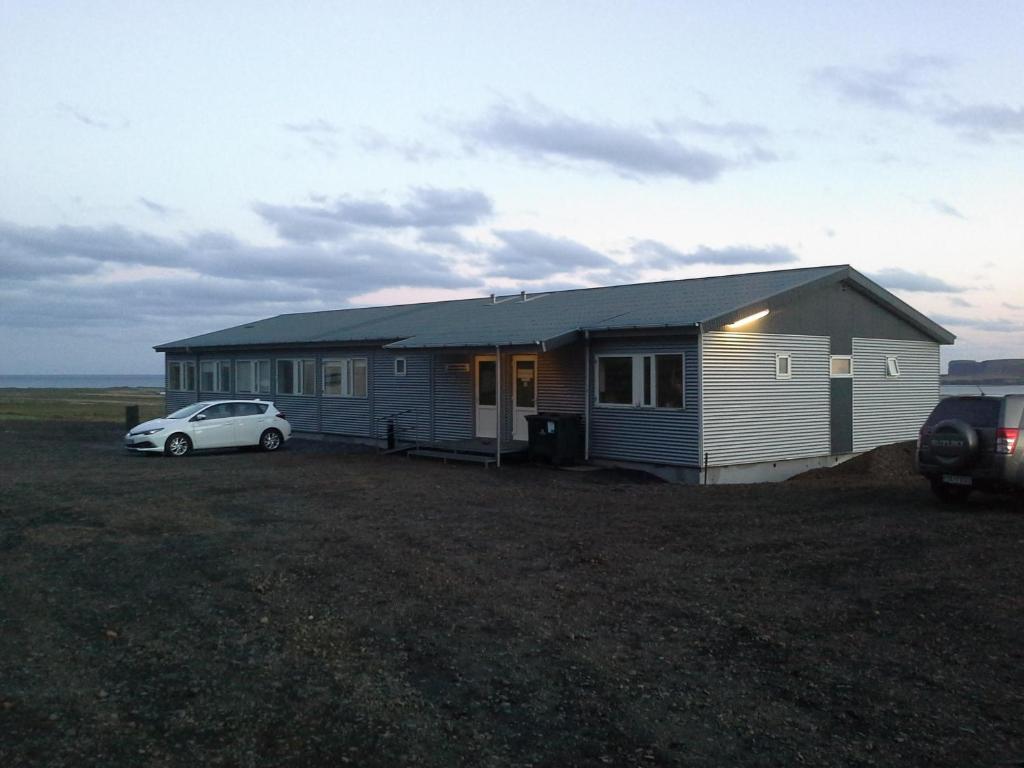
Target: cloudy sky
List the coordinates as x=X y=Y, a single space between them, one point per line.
x=172 y=168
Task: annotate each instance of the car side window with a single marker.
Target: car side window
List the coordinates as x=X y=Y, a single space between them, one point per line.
x=220 y=411
x=248 y=409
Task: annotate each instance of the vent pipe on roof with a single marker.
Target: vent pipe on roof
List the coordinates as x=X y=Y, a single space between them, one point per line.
x=522 y=295
x=493 y=299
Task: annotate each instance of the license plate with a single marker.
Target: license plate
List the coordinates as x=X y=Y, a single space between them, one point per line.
x=957 y=479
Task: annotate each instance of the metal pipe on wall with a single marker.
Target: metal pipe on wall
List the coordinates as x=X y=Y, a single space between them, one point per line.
x=497 y=403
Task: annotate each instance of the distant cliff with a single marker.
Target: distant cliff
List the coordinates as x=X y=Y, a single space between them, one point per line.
x=1008 y=371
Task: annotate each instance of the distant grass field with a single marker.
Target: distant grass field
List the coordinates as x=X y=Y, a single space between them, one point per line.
x=80 y=404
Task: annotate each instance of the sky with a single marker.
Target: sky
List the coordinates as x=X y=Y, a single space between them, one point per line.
x=168 y=169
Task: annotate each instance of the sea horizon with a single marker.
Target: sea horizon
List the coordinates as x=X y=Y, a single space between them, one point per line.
x=80 y=380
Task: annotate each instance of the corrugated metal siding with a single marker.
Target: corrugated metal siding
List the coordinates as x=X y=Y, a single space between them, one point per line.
x=303 y=413
x=454 y=400
x=749 y=414
x=888 y=410
x=394 y=394
x=561 y=380
x=649 y=435
x=346 y=415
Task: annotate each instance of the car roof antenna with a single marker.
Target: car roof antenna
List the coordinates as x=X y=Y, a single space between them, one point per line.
x=981 y=390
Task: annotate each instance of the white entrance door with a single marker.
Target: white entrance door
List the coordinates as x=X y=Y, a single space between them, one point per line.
x=524 y=397
x=486 y=397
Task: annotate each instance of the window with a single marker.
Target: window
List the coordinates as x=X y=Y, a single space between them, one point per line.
x=840 y=366
x=219 y=411
x=648 y=381
x=181 y=377
x=784 y=366
x=249 y=409
x=345 y=377
x=252 y=377
x=215 y=376
x=399 y=366
x=615 y=380
x=892 y=367
x=296 y=377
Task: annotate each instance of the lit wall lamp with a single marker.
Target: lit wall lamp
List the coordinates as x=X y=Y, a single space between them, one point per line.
x=747 y=320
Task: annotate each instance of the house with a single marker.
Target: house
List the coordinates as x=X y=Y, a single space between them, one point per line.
x=717 y=379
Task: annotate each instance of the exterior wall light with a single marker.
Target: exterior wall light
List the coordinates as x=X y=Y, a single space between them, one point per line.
x=747 y=320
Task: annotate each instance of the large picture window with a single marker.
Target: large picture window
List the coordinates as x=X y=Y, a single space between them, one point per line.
x=345 y=377
x=181 y=376
x=296 y=377
x=252 y=377
x=642 y=381
x=215 y=376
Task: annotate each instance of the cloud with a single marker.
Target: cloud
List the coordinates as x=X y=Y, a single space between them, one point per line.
x=891 y=87
x=956 y=301
x=984 y=121
x=530 y=255
x=941 y=206
x=333 y=221
x=651 y=254
x=319 y=134
x=158 y=208
x=992 y=326
x=1015 y=307
x=411 y=151
x=634 y=153
x=447 y=236
x=90 y=120
x=898 y=279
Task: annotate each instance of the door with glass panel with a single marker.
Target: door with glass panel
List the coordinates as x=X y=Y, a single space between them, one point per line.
x=524 y=393
x=486 y=397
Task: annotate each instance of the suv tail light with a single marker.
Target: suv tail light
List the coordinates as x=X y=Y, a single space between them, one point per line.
x=1006 y=439
x=281 y=416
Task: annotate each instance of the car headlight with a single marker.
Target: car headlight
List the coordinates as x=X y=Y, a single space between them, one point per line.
x=149 y=431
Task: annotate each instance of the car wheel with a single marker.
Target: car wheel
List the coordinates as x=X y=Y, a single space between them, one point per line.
x=950 y=494
x=270 y=440
x=178 y=445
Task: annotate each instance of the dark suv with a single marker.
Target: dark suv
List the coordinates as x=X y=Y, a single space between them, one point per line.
x=972 y=443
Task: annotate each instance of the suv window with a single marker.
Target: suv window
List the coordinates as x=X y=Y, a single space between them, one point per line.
x=249 y=409
x=219 y=411
x=976 y=411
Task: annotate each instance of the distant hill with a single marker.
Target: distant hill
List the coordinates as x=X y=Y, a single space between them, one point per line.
x=1007 y=371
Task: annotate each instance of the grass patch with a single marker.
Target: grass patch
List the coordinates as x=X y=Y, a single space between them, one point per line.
x=80 y=404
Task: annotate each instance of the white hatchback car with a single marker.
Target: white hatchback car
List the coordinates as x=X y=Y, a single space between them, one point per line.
x=212 y=424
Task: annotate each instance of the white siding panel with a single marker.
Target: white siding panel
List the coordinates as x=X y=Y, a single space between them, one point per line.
x=885 y=409
x=749 y=414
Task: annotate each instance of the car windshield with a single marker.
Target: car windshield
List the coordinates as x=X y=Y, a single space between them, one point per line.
x=188 y=410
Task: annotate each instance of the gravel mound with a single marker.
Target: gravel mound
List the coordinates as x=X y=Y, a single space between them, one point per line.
x=885 y=463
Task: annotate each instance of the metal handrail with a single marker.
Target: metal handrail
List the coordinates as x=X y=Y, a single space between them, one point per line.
x=392 y=415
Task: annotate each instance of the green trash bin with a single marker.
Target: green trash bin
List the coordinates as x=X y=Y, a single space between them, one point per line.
x=556 y=437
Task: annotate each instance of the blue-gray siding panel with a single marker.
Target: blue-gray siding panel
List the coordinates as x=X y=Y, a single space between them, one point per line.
x=303 y=413
x=407 y=398
x=561 y=380
x=655 y=436
x=345 y=416
x=453 y=398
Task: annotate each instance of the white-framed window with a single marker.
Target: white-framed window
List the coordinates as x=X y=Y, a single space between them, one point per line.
x=296 y=377
x=345 y=377
x=783 y=366
x=892 y=367
x=641 y=381
x=399 y=366
x=840 y=366
x=215 y=376
x=181 y=376
x=252 y=377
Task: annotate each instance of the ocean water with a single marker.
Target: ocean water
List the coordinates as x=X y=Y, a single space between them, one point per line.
x=82 y=381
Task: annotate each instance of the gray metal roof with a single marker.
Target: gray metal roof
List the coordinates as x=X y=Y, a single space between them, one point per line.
x=543 y=318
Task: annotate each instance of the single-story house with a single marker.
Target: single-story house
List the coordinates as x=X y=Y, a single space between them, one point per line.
x=717 y=379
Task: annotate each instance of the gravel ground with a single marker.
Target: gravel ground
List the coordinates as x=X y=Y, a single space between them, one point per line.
x=324 y=607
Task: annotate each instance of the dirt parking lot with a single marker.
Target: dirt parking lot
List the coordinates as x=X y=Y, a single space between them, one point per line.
x=318 y=607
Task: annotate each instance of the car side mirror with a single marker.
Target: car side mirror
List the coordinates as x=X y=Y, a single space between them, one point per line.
x=199 y=417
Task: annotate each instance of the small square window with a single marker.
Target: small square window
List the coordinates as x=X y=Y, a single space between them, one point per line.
x=841 y=366
x=892 y=367
x=783 y=367
x=399 y=366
